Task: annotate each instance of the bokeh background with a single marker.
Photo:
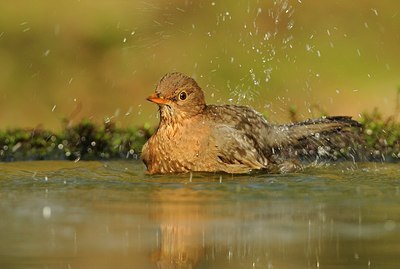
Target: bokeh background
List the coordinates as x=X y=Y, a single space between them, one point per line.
x=99 y=59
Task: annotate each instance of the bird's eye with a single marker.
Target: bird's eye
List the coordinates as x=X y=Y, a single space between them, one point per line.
x=182 y=95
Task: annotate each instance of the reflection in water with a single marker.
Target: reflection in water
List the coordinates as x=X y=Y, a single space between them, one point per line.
x=90 y=215
x=181 y=228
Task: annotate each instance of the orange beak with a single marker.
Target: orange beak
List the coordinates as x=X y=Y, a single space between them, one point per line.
x=156 y=99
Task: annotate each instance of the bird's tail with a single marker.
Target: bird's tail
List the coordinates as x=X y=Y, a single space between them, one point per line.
x=320 y=126
x=292 y=133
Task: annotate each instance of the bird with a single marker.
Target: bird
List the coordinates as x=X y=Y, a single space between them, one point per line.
x=193 y=136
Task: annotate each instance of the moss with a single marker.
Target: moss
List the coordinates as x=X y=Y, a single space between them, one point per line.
x=85 y=141
x=381 y=135
x=379 y=139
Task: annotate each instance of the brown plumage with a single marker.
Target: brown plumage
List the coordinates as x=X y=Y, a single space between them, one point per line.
x=194 y=136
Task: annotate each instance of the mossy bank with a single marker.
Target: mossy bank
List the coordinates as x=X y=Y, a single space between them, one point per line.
x=377 y=140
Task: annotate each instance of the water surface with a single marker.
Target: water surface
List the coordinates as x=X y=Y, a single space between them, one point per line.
x=113 y=215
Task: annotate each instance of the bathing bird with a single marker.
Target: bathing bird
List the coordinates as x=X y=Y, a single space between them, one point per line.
x=193 y=136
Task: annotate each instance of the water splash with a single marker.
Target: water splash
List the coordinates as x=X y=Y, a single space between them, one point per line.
x=265 y=38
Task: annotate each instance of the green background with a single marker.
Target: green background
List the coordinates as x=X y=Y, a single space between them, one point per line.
x=100 y=59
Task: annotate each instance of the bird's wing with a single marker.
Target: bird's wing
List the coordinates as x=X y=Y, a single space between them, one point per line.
x=237 y=148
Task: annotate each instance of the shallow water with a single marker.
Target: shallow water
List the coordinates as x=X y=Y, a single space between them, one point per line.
x=112 y=215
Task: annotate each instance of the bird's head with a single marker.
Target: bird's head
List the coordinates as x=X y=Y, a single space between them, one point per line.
x=178 y=96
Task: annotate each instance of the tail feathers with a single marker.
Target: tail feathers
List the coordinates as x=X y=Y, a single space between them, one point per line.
x=292 y=133
x=344 y=121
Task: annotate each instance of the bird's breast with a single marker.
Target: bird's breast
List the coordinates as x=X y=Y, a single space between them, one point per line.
x=178 y=148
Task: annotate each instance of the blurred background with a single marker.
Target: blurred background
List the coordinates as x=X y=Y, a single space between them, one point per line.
x=100 y=59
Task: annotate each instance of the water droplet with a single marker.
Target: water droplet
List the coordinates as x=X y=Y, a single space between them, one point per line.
x=290 y=25
x=328 y=32
x=46 y=53
x=46 y=212
x=375 y=11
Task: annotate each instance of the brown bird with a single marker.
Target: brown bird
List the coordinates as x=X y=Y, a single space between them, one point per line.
x=194 y=136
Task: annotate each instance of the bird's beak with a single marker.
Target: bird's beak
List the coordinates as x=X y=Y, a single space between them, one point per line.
x=155 y=98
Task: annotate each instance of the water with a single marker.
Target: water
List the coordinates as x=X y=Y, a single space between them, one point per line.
x=112 y=215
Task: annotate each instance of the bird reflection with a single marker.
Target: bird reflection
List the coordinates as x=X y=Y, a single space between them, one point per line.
x=182 y=226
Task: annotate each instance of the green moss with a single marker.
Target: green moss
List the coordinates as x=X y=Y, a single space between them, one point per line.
x=381 y=135
x=85 y=140
x=379 y=139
